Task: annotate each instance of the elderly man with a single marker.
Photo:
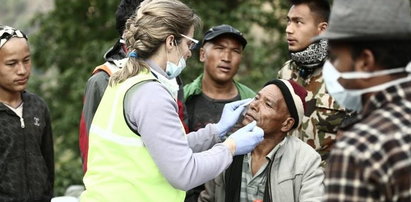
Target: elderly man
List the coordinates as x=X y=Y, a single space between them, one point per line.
x=369 y=72
x=282 y=167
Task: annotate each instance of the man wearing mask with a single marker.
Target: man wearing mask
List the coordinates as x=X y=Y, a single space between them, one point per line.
x=307 y=19
x=369 y=72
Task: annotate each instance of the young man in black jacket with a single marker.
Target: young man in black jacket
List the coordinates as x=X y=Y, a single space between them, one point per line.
x=26 y=143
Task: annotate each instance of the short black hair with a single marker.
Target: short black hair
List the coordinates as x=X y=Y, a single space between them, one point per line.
x=320 y=7
x=125 y=9
x=387 y=53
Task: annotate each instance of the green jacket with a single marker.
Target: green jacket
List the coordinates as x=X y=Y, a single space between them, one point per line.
x=194 y=88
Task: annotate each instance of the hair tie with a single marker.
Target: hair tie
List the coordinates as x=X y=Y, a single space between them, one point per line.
x=133 y=54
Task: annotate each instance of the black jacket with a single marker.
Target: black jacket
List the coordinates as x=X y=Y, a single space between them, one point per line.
x=26 y=152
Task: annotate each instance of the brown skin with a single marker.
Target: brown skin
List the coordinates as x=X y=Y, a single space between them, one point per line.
x=15 y=67
x=271 y=113
x=341 y=58
x=302 y=26
x=221 y=57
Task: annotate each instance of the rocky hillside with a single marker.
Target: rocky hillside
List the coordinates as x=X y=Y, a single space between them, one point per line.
x=18 y=13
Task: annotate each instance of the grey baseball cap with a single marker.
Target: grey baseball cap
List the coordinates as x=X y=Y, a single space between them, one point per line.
x=368 y=20
x=224 y=29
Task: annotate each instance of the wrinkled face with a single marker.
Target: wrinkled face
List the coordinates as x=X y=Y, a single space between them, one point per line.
x=182 y=49
x=302 y=26
x=269 y=110
x=15 y=66
x=221 y=57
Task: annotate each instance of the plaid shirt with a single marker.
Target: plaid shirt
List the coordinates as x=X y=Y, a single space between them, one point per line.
x=371 y=161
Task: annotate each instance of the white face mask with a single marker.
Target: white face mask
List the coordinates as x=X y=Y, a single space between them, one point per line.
x=173 y=70
x=351 y=99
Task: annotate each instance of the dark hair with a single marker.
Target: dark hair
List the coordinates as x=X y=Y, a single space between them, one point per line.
x=387 y=53
x=320 y=7
x=124 y=10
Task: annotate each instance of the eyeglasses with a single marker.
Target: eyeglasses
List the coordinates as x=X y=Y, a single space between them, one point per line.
x=193 y=43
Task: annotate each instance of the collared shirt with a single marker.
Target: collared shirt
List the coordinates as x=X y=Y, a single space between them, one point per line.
x=252 y=187
x=372 y=159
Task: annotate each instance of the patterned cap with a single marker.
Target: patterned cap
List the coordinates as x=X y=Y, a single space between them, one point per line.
x=294 y=96
x=6 y=33
x=368 y=20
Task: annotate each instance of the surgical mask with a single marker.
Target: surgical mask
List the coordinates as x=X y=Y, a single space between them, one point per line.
x=173 y=70
x=351 y=98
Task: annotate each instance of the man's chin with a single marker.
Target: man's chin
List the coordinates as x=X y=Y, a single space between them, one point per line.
x=294 y=49
x=245 y=122
x=248 y=120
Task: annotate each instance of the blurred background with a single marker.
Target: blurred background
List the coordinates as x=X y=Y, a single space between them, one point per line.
x=69 y=37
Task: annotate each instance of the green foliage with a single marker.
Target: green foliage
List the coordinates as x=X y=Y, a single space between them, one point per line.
x=70 y=42
x=260 y=21
x=73 y=37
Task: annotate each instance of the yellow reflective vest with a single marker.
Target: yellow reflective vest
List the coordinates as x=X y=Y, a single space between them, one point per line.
x=120 y=168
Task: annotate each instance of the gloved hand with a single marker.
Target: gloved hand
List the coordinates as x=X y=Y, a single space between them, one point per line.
x=246 y=138
x=230 y=115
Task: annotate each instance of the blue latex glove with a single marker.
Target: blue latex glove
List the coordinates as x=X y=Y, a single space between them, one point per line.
x=230 y=115
x=247 y=137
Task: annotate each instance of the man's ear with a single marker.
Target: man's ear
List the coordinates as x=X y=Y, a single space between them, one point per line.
x=287 y=124
x=202 y=54
x=322 y=26
x=365 y=62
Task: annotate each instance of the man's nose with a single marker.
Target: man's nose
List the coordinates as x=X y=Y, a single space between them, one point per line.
x=289 y=29
x=254 y=105
x=226 y=56
x=21 y=69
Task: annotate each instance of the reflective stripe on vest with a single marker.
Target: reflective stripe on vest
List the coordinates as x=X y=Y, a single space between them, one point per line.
x=126 y=141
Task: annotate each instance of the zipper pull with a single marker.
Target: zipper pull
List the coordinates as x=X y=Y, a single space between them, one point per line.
x=22 y=122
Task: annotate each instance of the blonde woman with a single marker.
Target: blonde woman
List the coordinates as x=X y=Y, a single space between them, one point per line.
x=138 y=150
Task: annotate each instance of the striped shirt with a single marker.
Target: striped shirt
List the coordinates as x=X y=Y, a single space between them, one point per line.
x=371 y=161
